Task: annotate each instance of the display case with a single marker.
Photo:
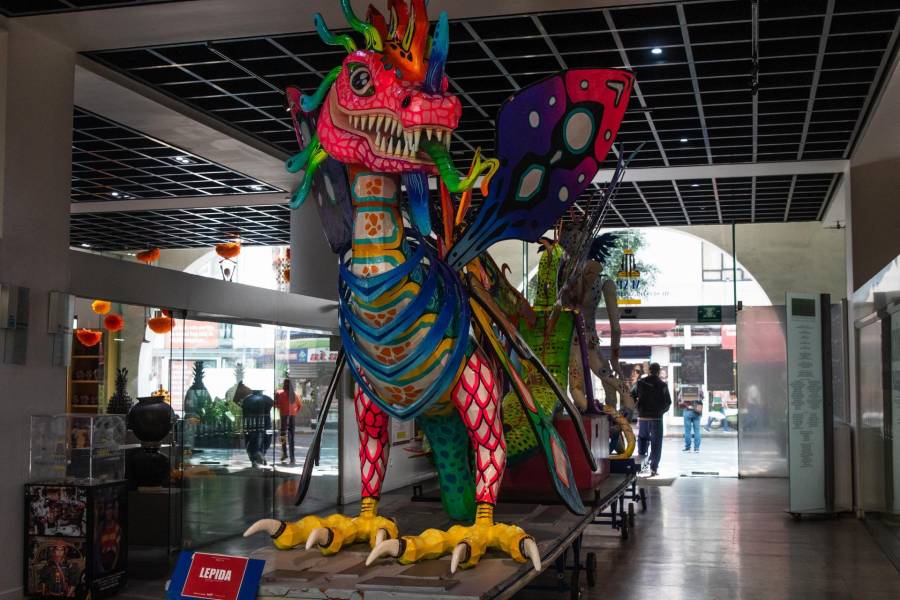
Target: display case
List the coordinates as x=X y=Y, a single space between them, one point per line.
x=76 y=507
x=76 y=448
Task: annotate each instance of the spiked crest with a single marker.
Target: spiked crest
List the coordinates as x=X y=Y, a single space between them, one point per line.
x=404 y=35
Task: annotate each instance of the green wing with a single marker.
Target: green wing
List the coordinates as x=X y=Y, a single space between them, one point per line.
x=553 y=446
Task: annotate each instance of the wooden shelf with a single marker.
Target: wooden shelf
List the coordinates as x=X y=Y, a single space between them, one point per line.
x=85 y=381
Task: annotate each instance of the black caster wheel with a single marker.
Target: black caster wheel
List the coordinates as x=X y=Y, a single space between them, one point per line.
x=643 y=500
x=624 y=529
x=631 y=514
x=590 y=567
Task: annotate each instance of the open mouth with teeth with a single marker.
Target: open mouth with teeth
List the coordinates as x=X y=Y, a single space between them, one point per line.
x=386 y=135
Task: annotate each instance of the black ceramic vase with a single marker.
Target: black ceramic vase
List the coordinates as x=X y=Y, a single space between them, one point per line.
x=150 y=420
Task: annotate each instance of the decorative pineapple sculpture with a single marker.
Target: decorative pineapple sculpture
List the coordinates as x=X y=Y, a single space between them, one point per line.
x=197 y=400
x=120 y=402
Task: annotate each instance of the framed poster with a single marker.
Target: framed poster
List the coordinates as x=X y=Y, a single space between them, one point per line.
x=57 y=510
x=56 y=567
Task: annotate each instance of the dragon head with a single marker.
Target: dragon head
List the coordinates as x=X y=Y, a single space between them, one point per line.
x=387 y=106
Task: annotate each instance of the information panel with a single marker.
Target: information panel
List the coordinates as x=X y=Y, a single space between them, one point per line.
x=895 y=408
x=805 y=404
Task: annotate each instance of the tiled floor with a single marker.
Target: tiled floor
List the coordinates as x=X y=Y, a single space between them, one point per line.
x=706 y=538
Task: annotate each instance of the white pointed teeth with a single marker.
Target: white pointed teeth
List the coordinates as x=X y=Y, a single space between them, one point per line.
x=378 y=122
x=438 y=133
x=381 y=535
x=530 y=550
x=320 y=536
x=428 y=132
x=270 y=526
x=416 y=137
x=385 y=548
x=460 y=555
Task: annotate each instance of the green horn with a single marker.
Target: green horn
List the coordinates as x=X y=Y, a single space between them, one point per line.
x=373 y=39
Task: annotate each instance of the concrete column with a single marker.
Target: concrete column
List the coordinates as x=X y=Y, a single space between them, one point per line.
x=314 y=268
x=34 y=249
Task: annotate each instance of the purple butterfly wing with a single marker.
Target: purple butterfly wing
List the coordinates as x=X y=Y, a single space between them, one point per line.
x=551 y=138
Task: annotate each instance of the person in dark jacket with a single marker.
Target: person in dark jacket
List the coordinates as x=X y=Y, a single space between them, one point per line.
x=651 y=395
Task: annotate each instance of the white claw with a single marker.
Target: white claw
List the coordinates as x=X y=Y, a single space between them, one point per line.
x=381 y=535
x=318 y=536
x=385 y=548
x=270 y=526
x=530 y=550
x=461 y=550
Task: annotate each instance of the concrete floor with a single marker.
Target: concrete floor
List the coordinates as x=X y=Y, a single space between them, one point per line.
x=725 y=538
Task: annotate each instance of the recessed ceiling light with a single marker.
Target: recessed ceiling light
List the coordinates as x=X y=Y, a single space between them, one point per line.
x=656 y=51
x=115 y=194
x=256 y=187
x=695 y=185
x=85 y=245
x=683 y=140
x=183 y=160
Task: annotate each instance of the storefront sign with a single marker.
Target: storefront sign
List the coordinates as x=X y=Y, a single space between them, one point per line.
x=709 y=314
x=215 y=577
x=805 y=404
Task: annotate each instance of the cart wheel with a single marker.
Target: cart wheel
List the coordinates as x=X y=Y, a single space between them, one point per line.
x=590 y=567
x=575 y=588
x=643 y=500
x=631 y=514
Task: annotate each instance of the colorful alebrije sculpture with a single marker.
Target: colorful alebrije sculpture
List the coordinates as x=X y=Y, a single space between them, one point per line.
x=416 y=318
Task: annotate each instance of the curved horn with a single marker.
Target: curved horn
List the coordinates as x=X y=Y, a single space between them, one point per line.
x=331 y=39
x=373 y=38
x=440 y=46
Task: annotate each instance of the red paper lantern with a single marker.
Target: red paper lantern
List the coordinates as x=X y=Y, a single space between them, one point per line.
x=113 y=322
x=89 y=337
x=148 y=256
x=228 y=250
x=161 y=324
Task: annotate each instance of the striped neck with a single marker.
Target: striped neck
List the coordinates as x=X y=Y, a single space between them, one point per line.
x=377 y=224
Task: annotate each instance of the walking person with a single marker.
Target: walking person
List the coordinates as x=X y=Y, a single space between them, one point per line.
x=288 y=403
x=651 y=395
x=692 y=410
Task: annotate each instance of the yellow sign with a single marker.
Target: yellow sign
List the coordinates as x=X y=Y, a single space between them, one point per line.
x=628 y=279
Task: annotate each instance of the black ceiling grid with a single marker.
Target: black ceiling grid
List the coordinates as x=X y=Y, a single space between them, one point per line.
x=112 y=162
x=235 y=80
x=267 y=225
x=21 y=8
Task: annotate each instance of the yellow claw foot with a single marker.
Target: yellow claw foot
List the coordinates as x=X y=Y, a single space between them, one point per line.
x=467 y=544
x=330 y=533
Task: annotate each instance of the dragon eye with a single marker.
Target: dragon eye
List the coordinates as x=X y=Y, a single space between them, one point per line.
x=361 y=80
